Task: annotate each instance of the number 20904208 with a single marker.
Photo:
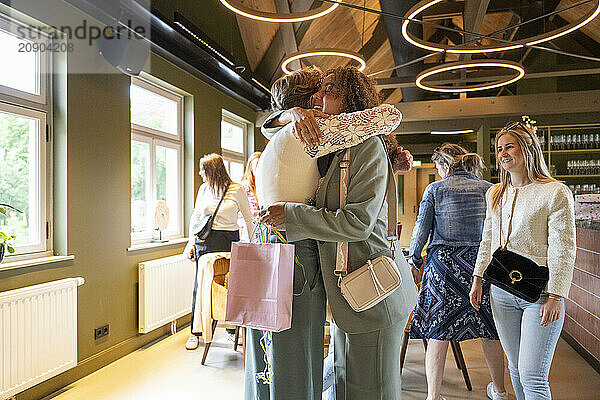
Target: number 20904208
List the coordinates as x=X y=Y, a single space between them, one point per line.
x=46 y=47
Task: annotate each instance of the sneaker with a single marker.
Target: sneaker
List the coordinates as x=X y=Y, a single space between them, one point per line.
x=193 y=342
x=492 y=394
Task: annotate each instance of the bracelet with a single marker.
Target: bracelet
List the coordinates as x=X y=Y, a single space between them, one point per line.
x=480 y=277
x=554 y=297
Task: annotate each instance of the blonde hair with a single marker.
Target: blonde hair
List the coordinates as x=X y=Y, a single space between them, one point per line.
x=248 y=173
x=217 y=178
x=458 y=158
x=537 y=170
x=296 y=89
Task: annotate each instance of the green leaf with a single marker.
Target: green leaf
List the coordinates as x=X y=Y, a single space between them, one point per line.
x=10 y=249
x=2 y=210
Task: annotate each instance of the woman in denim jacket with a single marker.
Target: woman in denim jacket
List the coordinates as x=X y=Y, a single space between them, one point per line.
x=451 y=216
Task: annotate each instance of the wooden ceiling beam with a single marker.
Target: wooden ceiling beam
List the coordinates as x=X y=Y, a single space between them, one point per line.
x=375 y=42
x=546 y=71
x=478 y=107
x=449 y=9
x=286 y=41
x=288 y=36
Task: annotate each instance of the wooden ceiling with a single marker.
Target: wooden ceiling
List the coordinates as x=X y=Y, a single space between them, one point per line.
x=364 y=32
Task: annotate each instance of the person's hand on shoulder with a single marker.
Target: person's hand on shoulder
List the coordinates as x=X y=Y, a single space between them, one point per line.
x=305 y=126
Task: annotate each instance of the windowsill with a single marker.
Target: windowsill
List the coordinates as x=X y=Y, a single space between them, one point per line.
x=34 y=262
x=158 y=246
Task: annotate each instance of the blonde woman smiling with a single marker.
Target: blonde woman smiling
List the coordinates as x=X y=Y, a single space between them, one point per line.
x=531 y=214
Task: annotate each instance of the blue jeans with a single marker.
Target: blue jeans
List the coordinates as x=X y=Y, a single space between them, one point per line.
x=529 y=346
x=328 y=371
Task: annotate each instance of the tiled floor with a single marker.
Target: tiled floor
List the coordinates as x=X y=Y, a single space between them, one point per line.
x=166 y=370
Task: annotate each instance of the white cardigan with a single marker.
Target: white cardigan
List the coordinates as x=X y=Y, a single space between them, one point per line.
x=543 y=230
x=287 y=169
x=227 y=216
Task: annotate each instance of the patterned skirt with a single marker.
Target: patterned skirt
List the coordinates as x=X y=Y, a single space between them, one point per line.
x=443 y=310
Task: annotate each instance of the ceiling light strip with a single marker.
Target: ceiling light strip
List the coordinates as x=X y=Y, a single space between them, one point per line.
x=460 y=49
x=452 y=132
x=205 y=44
x=240 y=9
x=469 y=64
x=323 y=52
x=261 y=85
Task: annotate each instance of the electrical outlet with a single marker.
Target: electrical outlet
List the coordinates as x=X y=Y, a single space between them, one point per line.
x=101 y=332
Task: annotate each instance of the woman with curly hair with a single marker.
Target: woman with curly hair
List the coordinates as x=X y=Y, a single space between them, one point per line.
x=367 y=343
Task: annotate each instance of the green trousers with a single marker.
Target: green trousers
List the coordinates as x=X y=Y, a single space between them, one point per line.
x=296 y=354
x=367 y=365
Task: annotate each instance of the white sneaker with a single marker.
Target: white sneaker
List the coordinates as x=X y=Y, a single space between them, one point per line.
x=492 y=394
x=193 y=342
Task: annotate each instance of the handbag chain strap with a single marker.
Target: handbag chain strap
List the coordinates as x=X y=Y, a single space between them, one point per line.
x=512 y=211
x=341 y=259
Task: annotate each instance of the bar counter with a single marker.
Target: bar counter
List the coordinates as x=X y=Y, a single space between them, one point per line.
x=582 y=320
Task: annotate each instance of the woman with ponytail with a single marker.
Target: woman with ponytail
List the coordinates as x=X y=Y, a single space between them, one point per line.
x=451 y=218
x=539 y=224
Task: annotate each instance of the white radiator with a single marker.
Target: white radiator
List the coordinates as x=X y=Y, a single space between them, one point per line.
x=165 y=291
x=38 y=334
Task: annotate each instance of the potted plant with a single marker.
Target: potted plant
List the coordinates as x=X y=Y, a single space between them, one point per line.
x=6 y=238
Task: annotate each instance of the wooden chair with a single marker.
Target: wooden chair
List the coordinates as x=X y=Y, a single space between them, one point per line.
x=218 y=298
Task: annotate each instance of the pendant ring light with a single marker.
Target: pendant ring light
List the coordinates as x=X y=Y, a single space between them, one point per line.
x=469 y=64
x=240 y=9
x=323 y=52
x=425 y=4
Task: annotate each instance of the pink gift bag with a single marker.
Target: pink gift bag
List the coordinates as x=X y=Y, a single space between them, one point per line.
x=260 y=286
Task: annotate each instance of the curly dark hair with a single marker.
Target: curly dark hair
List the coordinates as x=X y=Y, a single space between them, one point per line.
x=359 y=91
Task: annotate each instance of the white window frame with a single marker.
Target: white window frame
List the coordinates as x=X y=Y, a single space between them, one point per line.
x=10 y=25
x=38 y=106
x=229 y=155
x=169 y=95
x=42 y=177
x=156 y=138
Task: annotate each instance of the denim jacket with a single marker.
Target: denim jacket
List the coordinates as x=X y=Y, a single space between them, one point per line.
x=451 y=213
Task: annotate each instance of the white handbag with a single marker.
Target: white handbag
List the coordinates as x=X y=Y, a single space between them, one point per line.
x=377 y=279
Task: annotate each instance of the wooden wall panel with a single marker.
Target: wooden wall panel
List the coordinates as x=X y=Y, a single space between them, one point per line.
x=585 y=281
x=583 y=337
x=588 y=251
x=583 y=317
x=582 y=320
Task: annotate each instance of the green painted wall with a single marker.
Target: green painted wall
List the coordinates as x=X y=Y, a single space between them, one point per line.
x=92 y=192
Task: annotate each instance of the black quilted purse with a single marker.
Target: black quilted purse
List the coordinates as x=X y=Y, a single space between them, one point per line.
x=514 y=273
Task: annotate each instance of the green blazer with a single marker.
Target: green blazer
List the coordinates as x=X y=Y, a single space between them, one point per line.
x=362 y=223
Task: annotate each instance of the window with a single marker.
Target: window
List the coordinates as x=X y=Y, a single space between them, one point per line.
x=25 y=142
x=233 y=145
x=24 y=74
x=156 y=159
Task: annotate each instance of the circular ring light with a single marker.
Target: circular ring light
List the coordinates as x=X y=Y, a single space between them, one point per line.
x=469 y=64
x=323 y=52
x=452 y=132
x=425 y=4
x=240 y=9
